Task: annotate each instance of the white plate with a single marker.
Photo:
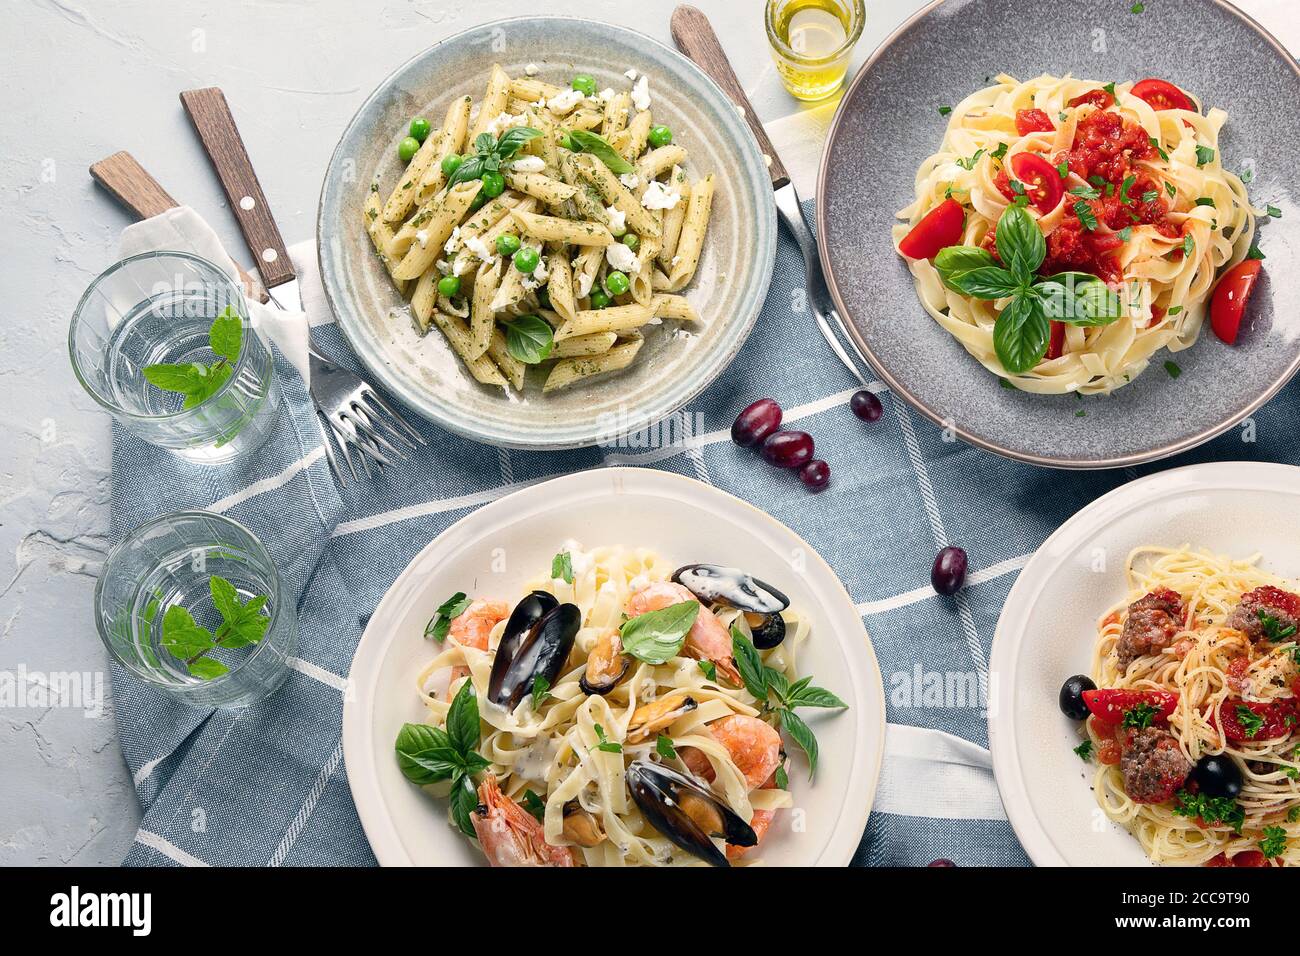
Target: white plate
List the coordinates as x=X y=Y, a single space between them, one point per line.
x=1049 y=621
x=684 y=521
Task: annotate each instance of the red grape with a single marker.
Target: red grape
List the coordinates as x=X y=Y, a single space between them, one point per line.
x=866 y=406
x=787 y=449
x=815 y=475
x=756 y=422
x=949 y=571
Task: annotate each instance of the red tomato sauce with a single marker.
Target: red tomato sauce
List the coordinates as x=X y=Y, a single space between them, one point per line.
x=1105 y=151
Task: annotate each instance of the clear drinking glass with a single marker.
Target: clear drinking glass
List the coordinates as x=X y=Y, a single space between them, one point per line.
x=169 y=562
x=812 y=41
x=158 y=308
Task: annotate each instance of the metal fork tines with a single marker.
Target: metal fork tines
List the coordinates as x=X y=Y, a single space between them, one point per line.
x=357 y=419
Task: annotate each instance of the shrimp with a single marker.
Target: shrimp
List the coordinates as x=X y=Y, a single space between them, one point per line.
x=755 y=749
x=509 y=834
x=471 y=628
x=759 y=824
x=708 y=640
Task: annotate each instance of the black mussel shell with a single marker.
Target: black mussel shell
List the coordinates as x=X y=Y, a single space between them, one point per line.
x=714 y=584
x=676 y=806
x=541 y=652
x=767 y=630
x=526 y=613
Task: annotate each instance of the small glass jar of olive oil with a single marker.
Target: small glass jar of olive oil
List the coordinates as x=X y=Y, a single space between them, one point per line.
x=812 y=41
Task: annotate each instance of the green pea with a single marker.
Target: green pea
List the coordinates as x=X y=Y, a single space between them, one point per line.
x=598 y=299
x=618 y=231
x=526 y=260
x=407 y=148
x=659 y=136
x=507 y=244
x=616 y=283
x=449 y=286
x=494 y=184
x=584 y=84
x=632 y=241
x=451 y=163
x=420 y=128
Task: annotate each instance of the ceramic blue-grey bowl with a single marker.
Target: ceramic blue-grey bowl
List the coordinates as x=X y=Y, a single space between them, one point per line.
x=729 y=286
x=889 y=122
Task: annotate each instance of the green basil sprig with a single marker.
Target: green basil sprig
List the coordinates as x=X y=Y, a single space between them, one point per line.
x=657 y=636
x=529 y=339
x=490 y=152
x=585 y=141
x=428 y=754
x=1023 y=328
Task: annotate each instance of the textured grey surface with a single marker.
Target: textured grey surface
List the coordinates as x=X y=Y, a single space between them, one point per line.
x=894 y=125
x=81 y=80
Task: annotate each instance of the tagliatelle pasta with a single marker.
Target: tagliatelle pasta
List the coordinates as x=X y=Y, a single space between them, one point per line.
x=1129 y=189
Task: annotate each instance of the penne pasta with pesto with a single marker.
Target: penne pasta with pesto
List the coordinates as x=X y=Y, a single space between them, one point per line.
x=547 y=224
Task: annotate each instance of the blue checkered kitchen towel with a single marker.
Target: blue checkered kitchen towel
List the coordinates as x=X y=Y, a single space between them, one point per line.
x=266 y=785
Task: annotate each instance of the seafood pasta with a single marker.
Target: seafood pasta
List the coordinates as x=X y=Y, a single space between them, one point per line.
x=1194 y=716
x=1067 y=230
x=620 y=714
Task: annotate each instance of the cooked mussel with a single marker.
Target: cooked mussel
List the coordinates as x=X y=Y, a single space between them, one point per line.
x=526 y=613
x=580 y=826
x=761 y=603
x=649 y=719
x=606 y=664
x=685 y=812
x=540 y=652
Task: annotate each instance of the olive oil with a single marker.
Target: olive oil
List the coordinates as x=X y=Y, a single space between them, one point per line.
x=811 y=43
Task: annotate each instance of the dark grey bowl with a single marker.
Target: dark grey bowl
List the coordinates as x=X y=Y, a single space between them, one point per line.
x=889 y=122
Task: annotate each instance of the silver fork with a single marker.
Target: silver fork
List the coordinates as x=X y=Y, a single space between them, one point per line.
x=356 y=418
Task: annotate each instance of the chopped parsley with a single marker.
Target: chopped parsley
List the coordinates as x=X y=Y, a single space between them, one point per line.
x=1086 y=192
x=1213 y=811
x=1150 y=196
x=1156 y=143
x=1000 y=152
x=1175 y=309
x=1293 y=815
x=1188 y=245
x=710 y=669
x=1126 y=234
x=1204 y=155
x=945 y=110
x=534 y=805
x=1085 y=214
x=664 y=747
x=1084 y=750
x=1129 y=183
x=970 y=163
x=1251 y=722
x=1171 y=189
x=1063 y=170
x=1274 y=212
x=1273 y=628
x=1205 y=201
x=1274 y=843
x=1110 y=88
x=1137 y=8
x=1140 y=716
x=1255 y=252
x=1174 y=369
x=605 y=744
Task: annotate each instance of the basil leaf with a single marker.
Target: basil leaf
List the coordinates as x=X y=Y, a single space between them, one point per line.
x=810 y=696
x=485 y=143
x=424 y=753
x=464 y=800
x=1096 y=304
x=801 y=734
x=470 y=168
x=1020 y=334
x=562 y=567
x=955 y=260
x=1020 y=242
x=534 y=805
x=589 y=142
x=749 y=664
x=529 y=339
x=513 y=139
x=1078 y=298
x=990 y=282
x=541 y=691
x=658 y=636
x=440 y=623
x=776 y=681
x=227 y=334
x=462 y=720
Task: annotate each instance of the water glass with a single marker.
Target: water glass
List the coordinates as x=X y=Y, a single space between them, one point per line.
x=158 y=308
x=170 y=563
x=812 y=41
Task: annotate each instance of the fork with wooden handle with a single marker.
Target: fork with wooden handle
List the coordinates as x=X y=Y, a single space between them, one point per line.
x=359 y=418
x=694 y=36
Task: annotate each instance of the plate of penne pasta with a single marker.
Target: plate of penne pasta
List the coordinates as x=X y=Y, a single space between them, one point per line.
x=547 y=232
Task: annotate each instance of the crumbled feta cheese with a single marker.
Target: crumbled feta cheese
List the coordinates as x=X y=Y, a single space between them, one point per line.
x=478 y=247
x=630 y=180
x=656 y=197
x=641 y=93
x=617 y=220
x=422 y=237
x=622 y=258
x=505 y=121
x=563 y=103
x=584 y=284
x=529 y=164
x=630 y=74
x=462 y=265
x=606 y=94
x=443 y=266
x=453 y=243
x=676 y=259
x=531 y=69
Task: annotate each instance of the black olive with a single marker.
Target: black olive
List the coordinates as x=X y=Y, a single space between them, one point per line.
x=1072 y=704
x=1217 y=776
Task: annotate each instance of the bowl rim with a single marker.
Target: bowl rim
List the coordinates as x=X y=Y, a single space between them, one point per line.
x=1010 y=636
x=762 y=264
x=358 y=715
x=1074 y=464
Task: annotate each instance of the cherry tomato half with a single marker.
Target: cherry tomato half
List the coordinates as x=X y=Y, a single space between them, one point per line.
x=1109 y=705
x=1033 y=121
x=1230 y=298
x=1043 y=182
x=941 y=227
x=1162 y=96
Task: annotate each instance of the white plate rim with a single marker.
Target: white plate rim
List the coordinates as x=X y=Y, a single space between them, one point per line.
x=360 y=759
x=1008 y=638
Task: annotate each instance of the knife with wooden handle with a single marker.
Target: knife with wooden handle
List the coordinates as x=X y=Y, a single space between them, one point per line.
x=694 y=36
x=131 y=185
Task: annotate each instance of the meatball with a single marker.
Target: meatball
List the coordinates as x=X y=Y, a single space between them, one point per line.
x=1271 y=603
x=1154 y=768
x=1151 y=625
